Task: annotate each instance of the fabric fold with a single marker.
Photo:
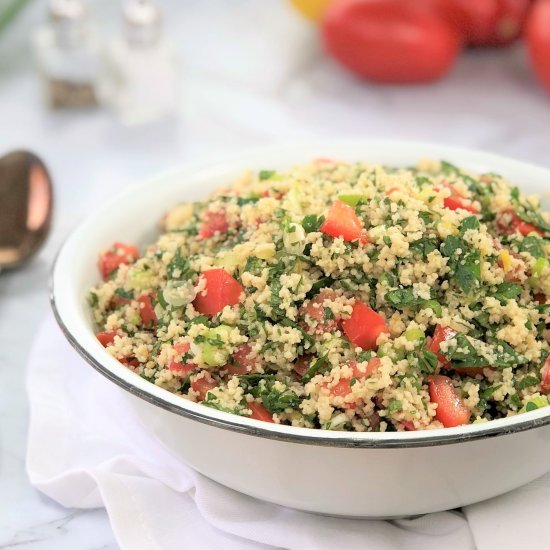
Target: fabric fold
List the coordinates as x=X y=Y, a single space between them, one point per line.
x=87 y=449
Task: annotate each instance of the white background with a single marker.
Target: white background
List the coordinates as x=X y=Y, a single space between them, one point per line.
x=253 y=74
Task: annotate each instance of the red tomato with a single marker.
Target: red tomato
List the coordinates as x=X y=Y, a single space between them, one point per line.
x=203 y=385
x=119 y=253
x=509 y=222
x=187 y=368
x=259 y=412
x=343 y=387
x=364 y=326
x=245 y=361
x=105 y=338
x=221 y=290
x=454 y=203
x=341 y=221
x=441 y=334
x=129 y=361
x=490 y=22
x=408 y=425
x=146 y=311
x=315 y=311
x=391 y=41
x=538 y=40
x=176 y=365
x=212 y=223
x=181 y=348
x=458 y=200
x=545 y=376
x=117 y=301
x=451 y=410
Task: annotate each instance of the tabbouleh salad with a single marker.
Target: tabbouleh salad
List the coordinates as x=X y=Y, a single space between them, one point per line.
x=342 y=297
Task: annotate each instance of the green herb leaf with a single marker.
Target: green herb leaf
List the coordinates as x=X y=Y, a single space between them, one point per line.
x=468 y=272
x=448 y=168
x=312 y=223
x=451 y=244
x=487 y=392
x=471 y=222
x=424 y=246
x=533 y=245
x=427 y=361
x=402 y=298
x=181 y=264
x=266 y=174
x=395 y=405
x=527 y=382
x=315 y=368
x=506 y=291
x=241 y=201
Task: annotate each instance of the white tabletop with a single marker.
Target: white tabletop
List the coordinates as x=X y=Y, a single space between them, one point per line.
x=254 y=73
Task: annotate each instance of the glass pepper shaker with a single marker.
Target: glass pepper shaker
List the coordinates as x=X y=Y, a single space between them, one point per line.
x=67 y=51
x=141 y=78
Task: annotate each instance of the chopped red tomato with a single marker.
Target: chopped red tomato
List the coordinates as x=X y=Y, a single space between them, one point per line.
x=343 y=386
x=509 y=222
x=441 y=334
x=181 y=348
x=259 y=412
x=545 y=376
x=221 y=290
x=105 y=338
x=407 y=425
x=212 y=223
x=458 y=200
x=245 y=361
x=129 y=361
x=176 y=365
x=179 y=368
x=372 y=366
x=364 y=326
x=147 y=311
x=315 y=311
x=454 y=203
x=341 y=221
x=451 y=410
x=111 y=259
x=203 y=385
x=117 y=301
x=540 y=298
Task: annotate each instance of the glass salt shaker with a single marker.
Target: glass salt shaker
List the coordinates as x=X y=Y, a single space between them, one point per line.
x=142 y=78
x=67 y=51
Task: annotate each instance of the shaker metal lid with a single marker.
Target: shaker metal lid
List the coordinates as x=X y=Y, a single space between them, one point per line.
x=142 y=22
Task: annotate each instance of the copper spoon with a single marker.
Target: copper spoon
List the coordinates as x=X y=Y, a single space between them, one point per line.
x=26 y=202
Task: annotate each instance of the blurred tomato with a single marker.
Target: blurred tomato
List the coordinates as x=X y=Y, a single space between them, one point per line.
x=538 y=40
x=312 y=9
x=491 y=22
x=395 y=41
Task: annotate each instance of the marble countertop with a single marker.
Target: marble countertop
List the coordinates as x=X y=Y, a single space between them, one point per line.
x=254 y=74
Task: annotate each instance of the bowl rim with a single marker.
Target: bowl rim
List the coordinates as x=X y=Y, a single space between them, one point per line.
x=170 y=402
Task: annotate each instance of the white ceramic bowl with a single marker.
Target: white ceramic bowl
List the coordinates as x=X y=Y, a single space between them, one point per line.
x=348 y=474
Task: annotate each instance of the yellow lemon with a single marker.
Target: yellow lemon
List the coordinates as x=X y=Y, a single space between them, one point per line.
x=312 y=9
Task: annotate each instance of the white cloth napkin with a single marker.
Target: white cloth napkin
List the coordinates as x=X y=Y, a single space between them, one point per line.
x=86 y=450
